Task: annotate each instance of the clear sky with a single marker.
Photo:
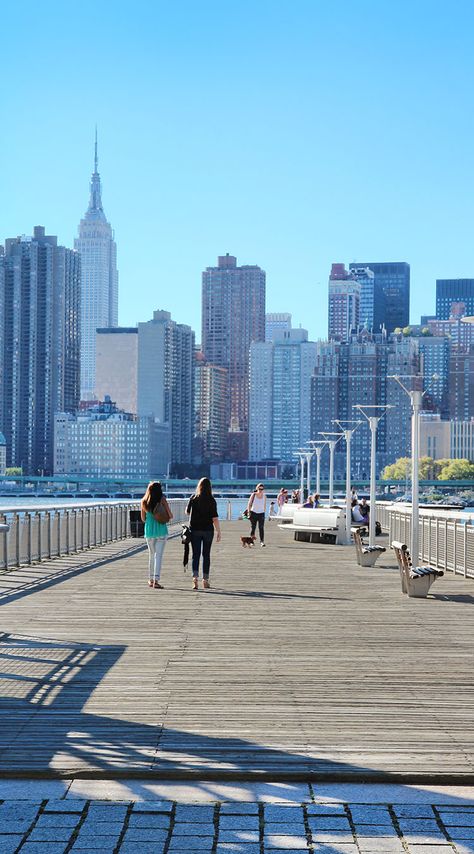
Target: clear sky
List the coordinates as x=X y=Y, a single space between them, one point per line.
x=291 y=134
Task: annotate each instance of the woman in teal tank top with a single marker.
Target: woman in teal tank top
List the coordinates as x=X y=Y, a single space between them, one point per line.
x=154 y=509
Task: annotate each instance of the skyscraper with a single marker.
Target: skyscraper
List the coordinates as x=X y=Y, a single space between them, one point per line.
x=99 y=280
x=393 y=278
x=233 y=315
x=117 y=366
x=449 y=291
x=210 y=405
x=166 y=379
x=40 y=296
x=357 y=372
x=343 y=303
x=275 y=322
x=280 y=395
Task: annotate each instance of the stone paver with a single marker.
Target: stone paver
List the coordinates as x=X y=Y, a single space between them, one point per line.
x=57 y=826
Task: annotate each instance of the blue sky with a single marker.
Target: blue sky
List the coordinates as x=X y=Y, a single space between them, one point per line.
x=290 y=135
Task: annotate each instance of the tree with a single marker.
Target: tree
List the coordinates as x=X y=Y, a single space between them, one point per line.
x=398 y=470
x=426 y=331
x=427 y=468
x=10 y=472
x=406 y=331
x=457 y=470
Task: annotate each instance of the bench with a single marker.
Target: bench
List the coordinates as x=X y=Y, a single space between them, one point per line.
x=366 y=555
x=287 y=512
x=416 y=581
x=323 y=524
x=4 y=529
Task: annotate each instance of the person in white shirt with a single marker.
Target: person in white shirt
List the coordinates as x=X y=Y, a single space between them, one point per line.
x=356 y=514
x=256 y=509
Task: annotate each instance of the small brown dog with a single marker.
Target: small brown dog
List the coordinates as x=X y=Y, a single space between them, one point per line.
x=247 y=541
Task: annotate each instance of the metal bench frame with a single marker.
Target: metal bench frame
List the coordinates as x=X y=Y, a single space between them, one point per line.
x=366 y=555
x=416 y=582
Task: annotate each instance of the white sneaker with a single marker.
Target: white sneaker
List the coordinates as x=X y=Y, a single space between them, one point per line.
x=262 y=545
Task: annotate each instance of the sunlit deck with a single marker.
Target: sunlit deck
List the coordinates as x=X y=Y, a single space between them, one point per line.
x=297 y=664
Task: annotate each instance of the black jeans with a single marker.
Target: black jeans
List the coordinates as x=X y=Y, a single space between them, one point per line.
x=260 y=518
x=202 y=540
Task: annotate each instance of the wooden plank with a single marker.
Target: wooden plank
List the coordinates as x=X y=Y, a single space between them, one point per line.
x=297 y=663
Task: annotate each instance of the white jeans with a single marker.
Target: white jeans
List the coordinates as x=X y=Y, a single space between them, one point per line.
x=156 y=547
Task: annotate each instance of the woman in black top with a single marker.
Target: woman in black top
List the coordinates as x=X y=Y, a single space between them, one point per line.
x=204 y=519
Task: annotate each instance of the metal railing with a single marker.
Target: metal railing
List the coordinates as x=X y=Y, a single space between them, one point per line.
x=446 y=539
x=32 y=535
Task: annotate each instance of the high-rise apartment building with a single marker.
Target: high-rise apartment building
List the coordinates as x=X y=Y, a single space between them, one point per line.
x=393 y=278
x=261 y=400
x=280 y=395
x=117 y=366
x=276 y=322
x=99 y=280
x=210 y=403
x=40 y=334
x=343 y=303
x=166 y=379
x=233 y=315
x=356 y=372
x=450 y=291
x=3 y=454
x=371 y=302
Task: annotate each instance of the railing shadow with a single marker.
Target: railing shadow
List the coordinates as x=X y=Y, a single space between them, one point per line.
x=45 y=732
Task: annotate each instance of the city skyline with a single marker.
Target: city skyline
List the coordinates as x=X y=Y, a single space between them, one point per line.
x=347 y=157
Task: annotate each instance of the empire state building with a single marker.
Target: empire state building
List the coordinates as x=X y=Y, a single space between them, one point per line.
x=99 y=280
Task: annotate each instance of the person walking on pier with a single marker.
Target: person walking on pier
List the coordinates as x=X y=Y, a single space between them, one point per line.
x=204 y=520
x=256 y=507
x=155 y=513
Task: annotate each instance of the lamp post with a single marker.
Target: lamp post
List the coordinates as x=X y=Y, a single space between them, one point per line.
x=301 y=457
x=318 y=446
x=348 y=431
x=331 y=440
x=416 y=398
x=308 y=454
x=373 y=414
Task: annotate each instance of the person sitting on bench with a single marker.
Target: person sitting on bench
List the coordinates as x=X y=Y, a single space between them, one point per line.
x=356 y=514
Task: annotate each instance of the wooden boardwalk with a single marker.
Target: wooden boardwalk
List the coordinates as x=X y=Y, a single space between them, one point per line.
x=297 y=664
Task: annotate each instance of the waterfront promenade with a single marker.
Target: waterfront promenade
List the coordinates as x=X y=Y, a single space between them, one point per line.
x=300 y=705
x=297 y=664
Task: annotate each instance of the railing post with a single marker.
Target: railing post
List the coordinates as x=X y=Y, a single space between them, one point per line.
x=66 y=516
x=465 y=550
x=17 y=540
x=28 y=545
x=455 y=546
x=39 y=517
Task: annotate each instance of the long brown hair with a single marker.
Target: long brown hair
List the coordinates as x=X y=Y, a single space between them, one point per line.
x=153 y=495
x=204 y=488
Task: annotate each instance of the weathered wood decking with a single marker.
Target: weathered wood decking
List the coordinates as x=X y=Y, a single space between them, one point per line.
x=296 y=664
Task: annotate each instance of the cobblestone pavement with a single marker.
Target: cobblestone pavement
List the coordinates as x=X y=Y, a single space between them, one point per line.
x=59 y=826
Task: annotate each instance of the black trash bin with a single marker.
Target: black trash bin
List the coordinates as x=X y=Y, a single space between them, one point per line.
x=137 y=527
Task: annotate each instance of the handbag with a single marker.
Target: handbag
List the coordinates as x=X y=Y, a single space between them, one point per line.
x=161 y=514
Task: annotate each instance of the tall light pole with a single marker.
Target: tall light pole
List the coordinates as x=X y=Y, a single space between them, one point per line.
x=332 y=442
x=318 y=446
x=301 y=457
x=308 y=454
x=373 y=414
x=348 y=431
x=416 y=399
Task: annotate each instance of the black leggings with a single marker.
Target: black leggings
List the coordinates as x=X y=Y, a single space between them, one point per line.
x=260 y=518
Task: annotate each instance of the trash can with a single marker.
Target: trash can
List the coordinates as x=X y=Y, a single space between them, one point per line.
x=137 y=527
